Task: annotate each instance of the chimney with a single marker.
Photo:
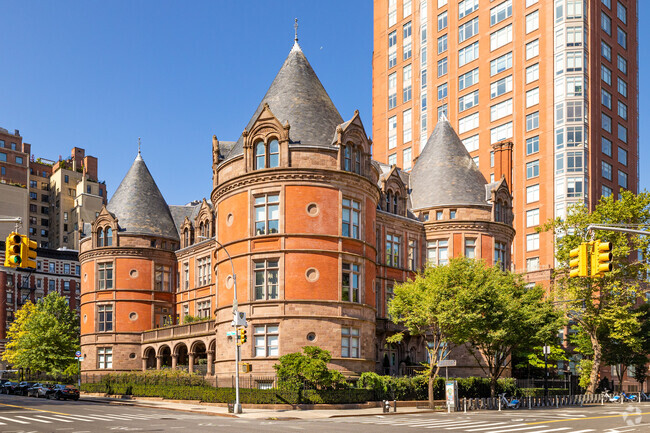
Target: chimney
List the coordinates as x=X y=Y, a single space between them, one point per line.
x=503 y=161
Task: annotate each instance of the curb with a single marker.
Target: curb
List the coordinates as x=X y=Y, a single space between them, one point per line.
x=150 y=406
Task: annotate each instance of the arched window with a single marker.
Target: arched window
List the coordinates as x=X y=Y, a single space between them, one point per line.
x=274 y=153
x=260 y=156
x=388 y=195
x=186 y=238
x=100 y=237
x=347 y=158
x=109 y=237
x=395 y=201
x=357 y=161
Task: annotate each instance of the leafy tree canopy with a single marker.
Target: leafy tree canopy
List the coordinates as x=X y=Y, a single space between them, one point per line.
x=43 y=336
x=308 y=368
x=603 y=308
x=488 y=310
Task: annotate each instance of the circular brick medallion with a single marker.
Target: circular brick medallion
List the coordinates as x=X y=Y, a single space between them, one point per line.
x=229 y=219
x=133 y=315
x=133 y=273
x=229 y=282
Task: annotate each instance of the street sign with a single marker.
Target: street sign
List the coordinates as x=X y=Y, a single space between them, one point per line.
x=547 y=350
x=81 y=358
x=77 y=354
x=447 y=363
x=231 y=333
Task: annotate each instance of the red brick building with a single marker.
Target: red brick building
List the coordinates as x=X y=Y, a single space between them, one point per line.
x=314 y=232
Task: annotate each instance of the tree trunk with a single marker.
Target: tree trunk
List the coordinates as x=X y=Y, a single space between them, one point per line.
x=595 y=366
x=432 y=381
x=493 y=385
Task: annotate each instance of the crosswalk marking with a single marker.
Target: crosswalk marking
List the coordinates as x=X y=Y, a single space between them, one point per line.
x=489 y=426
x=477 y=424
x=34 y=419
x=54 y=418
x=518 y=428
x=13 y=420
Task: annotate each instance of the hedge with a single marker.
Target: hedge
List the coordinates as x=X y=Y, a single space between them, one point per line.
x=417 y=388
x=225 y=395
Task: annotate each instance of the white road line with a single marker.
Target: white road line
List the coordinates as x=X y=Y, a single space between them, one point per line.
x=464 y=424
x=34 y=419
x=13 y=420
x=439 y=423
x=582 y=431
x=79 y=418
x=553 y=429
x=121 y=418
x=518 y=429
x=54 y=418
x=489 y=427
x=476 y=424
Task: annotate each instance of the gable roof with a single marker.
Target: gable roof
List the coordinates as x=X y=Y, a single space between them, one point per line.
x=297 y=96
x=139 y=206
x=445 y=173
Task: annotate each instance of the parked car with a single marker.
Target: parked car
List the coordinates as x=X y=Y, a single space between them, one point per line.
x=9 y=387
x=22 y=388
x=64 y=392
x=40 y=390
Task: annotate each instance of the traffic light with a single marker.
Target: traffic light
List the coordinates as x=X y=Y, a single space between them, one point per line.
x=601 y=258
x=579 y=261
x=28 y=253
x=241 y=336
x=13 y=246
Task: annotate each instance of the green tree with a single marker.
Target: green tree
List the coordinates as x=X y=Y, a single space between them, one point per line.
x=603 y=308
x=308 y=368
x=421 y=305
x=488 y=310
x=43 y=337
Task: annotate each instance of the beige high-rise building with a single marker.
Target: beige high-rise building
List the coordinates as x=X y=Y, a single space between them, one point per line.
x=54 y=199
x=77 y=197
x=554 y=79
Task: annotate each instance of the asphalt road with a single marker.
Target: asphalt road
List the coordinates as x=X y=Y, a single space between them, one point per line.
x=22 y=415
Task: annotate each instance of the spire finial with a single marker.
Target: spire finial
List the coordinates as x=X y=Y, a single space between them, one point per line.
x=138 y=145
x=295 y=27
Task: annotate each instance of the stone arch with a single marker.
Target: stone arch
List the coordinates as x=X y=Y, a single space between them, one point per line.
x=165 y=354
x=199 y=352
x=181 y=353
x=212 y=355
x=149 y=357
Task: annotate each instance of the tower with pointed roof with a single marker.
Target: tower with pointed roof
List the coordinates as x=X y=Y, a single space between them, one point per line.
x=128 y=271
x=462 y=213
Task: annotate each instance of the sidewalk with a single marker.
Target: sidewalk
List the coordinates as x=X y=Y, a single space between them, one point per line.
x=248 y=412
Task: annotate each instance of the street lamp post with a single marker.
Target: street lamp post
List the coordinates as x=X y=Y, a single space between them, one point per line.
x=235 y=312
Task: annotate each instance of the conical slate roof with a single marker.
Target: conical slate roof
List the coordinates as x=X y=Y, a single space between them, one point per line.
x=445 y=174
x=297 y=96
x=139 y=206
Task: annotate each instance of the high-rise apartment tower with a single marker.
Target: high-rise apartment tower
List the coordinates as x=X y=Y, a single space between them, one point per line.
x=555 y=80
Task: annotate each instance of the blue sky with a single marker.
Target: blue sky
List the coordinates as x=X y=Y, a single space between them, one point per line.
x=100 y=74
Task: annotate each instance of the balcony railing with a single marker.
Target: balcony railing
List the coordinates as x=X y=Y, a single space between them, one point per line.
x=179 y=331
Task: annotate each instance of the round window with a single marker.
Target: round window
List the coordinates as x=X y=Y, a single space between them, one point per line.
x=312 y=209
x=311 y=336
x=312 y=275
x=133 y=273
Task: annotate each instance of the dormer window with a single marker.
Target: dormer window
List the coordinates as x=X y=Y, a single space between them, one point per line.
x=105 y=237
x=100 y=237
x=352 y=159
x=109 y=237
x=267 y=155
x=395 y=201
